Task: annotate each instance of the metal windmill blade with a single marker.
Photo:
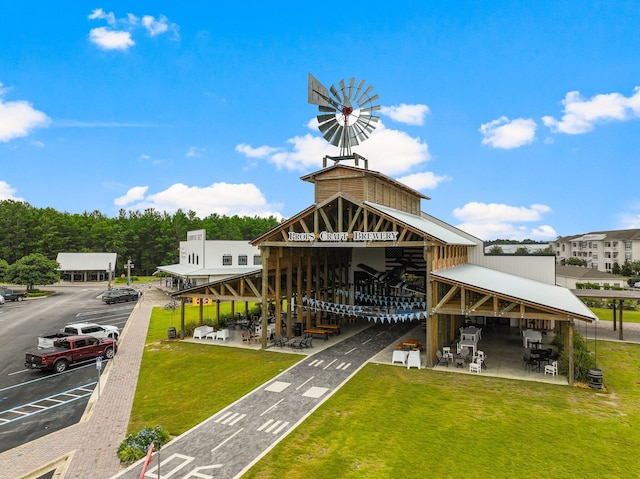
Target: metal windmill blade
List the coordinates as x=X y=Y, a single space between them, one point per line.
x=346 y=116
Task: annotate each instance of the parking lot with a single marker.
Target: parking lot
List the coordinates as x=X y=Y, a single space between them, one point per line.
x=35 y=403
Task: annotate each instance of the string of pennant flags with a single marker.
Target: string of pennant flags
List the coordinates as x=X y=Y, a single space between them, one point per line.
x=347 y=310
x=397 y=302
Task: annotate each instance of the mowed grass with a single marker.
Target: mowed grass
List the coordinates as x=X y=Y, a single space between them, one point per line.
x=392 y=422
x=607 y=315
x=388 y=421
x=181 y=384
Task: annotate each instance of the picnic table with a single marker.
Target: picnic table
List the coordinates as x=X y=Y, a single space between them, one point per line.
x=334 y=328
x=412 y=344
x=324 y=333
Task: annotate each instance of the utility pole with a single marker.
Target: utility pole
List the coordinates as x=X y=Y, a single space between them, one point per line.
x=129 y=267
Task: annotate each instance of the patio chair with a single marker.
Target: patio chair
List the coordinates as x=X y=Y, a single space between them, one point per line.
x=280 y=340
x=447 y=354
x=201 y=332
x=551 y=368
x=475 y=366
x=413 y=360
x=440 y=359
x=399 y=357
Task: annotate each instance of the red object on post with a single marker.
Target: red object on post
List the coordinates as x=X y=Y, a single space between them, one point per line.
x=146 y=461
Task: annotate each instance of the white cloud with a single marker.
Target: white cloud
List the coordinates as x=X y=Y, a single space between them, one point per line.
x=134 y=194
x=395 y=152
x=119 y=34
x=581 y=115
x=243 y=199
x=158 y=27
x=195 y=152
x=507 y=134
x=18 y=118
x=100 y=14
x=500 y=221
x=423 y=181
x=409 y=114
x=111 y=39
x=7 y=192
x=259 y=152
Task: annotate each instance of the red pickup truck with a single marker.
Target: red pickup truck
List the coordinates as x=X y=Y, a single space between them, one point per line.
x=70 y=350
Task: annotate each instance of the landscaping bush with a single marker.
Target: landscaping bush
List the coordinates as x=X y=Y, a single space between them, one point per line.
x=135 y=446
x=583 y=360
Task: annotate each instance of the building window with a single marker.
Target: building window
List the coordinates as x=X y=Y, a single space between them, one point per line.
x=227 y=260
x=256 y=259
x=242 y=260
x=627 y=245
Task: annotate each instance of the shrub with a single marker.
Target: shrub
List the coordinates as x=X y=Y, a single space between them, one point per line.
x=135 y=446
x=583 y=360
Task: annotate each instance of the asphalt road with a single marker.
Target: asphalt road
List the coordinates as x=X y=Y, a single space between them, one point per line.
x=35 y=403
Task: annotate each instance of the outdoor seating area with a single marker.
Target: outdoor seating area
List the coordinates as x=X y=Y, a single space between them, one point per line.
x=498 y=354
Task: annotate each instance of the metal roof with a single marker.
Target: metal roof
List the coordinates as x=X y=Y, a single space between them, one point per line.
x=426 y=226
x=188 y=270
x=86 y=261
x=517 y=287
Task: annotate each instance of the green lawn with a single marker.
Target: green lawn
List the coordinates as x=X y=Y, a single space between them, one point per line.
x=607 y=315
x=388 y=421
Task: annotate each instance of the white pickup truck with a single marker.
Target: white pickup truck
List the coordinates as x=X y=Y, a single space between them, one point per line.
x=80 y=329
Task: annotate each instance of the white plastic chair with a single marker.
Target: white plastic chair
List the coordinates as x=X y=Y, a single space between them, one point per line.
x=551 y=368
x=399 y=357
x=475 y=366
x=413 y=360
x=447 y=354
x=222 y=334
x=202 y=331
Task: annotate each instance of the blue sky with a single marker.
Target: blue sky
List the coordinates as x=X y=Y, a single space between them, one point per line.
x=518 y=119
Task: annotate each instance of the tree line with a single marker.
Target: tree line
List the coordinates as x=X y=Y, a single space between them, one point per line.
x=148 y=238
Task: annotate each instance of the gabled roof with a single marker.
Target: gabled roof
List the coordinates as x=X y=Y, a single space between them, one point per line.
x=579 y=272
x=86 y=261
x=516 y=287
x=425 y=225
x=311 y=177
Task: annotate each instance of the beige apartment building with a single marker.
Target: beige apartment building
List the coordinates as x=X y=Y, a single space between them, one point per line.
x=601 y=249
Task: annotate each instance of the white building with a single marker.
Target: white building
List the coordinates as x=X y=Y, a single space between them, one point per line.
x=203 y=261
x=86 y=267
x=601 y=249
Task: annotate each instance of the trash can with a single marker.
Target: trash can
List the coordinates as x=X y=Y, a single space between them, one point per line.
x=595 y=378
x=297 y=329
x=171 y=333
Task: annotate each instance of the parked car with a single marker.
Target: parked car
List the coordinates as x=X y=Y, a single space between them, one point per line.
x=1 y=299
x=120 y=295
x=79 y=329
x=70 y=350
x=13 y=295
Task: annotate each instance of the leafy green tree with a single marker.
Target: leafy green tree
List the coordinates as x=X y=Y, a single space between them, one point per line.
x=33 y=269
x=495 y=249
x=547 y=250
x=522 y=250
x=4 y=266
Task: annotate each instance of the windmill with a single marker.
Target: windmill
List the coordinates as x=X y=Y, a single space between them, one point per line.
x=345 y=117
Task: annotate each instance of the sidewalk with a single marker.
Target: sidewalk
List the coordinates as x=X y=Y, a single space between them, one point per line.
x=87 y=449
